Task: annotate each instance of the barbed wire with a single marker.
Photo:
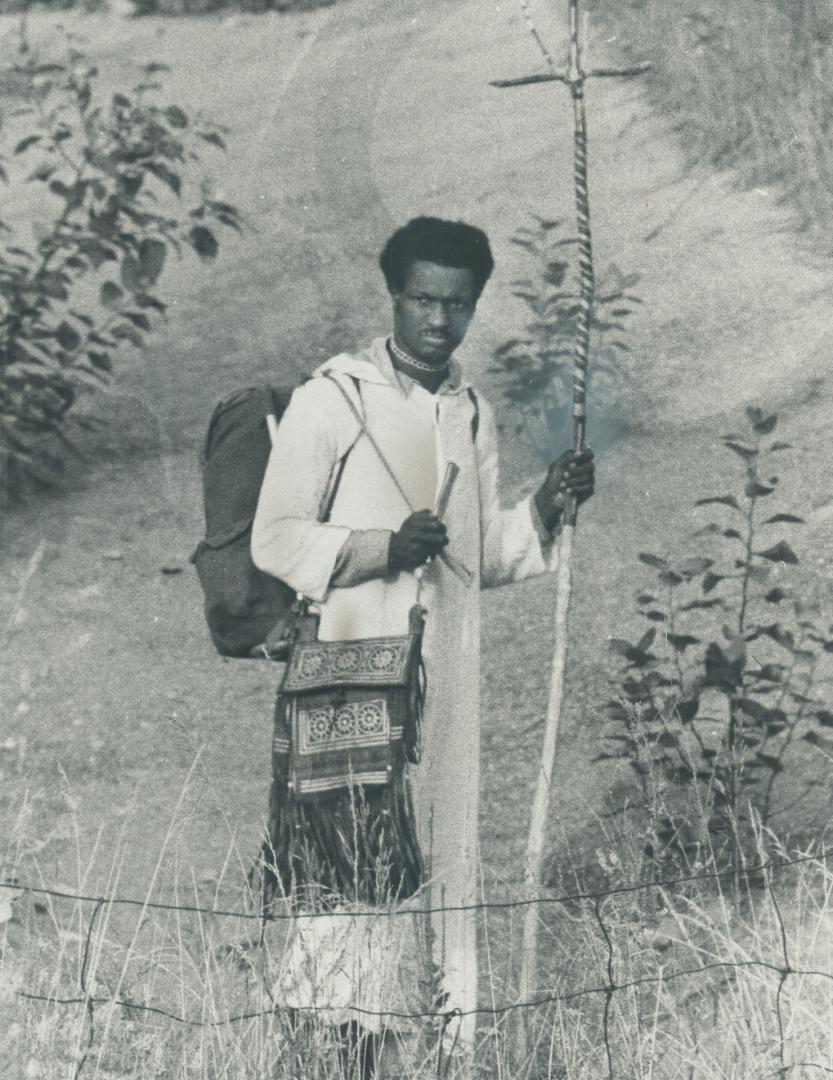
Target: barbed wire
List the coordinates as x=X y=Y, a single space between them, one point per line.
x=405 y=910
x=783 y=969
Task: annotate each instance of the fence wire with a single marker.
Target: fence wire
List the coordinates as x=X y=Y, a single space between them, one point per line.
x=783 y=969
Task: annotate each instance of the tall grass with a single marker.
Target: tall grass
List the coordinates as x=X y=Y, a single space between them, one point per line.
x=742 y=1009
x=748 y=85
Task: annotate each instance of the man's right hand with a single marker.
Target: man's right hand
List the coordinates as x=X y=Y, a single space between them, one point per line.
x=420 y=538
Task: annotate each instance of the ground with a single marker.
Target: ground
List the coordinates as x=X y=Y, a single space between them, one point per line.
x=344 y=122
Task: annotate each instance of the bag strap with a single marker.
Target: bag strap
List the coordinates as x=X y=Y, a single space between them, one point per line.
x=453 y=564
x=331 y=498
x=371 y=438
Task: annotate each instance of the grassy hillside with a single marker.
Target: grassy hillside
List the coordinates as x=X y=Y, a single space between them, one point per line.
x=748 y=85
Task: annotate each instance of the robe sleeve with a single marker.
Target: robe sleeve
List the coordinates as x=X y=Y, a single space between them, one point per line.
x=288 y=538
x=514 y=541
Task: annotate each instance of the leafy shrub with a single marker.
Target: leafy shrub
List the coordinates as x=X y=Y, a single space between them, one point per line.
x=721 y=628
x=536 y=369
x=114 y=200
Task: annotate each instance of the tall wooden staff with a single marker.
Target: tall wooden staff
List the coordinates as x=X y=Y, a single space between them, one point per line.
x=574 y=77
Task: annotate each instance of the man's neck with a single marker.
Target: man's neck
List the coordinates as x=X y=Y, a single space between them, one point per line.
x=402 y=361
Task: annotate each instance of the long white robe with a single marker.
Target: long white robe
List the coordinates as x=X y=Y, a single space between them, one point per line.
x=419 y=433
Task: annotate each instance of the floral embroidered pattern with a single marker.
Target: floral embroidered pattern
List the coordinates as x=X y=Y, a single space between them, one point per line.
x=323 y=663
x=333 y=727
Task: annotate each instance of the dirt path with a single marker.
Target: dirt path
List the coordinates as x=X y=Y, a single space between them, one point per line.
x=344 y=122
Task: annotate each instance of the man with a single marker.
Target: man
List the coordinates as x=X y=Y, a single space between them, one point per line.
x=382 y=546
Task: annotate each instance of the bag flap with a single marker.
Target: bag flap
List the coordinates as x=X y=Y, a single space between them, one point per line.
x=318 y=665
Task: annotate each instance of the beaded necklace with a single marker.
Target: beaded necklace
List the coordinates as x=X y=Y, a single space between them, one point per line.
x=410 y=361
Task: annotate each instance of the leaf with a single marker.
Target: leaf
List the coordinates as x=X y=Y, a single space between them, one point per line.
x=687 y=710
x=100 y=360
x=681 y=642
x=781 y=552
x=746 y=452
x=631 y=653
x=702 y=605
x=203 y=242
x=647 y=639
x=711 y=581
x=653 y=560
x=761 y=423
x=212 y=137
x=656 y=616
x=753 y=708
x=145 y=300
x=176 y=117
x=819 y=741
x=788 y=519
x=732 y=534
x=671 y=577
x=781 y=446
x=724 y=500
x=67 y=336
x=722 y=670
x=152 y=259
x=772 y=763
x=775 y=596
x=166 y=175
x=754 y=490
x=123 y=332
x=25 y=143
x=131 y=274
x=646 y=598
x=138 y=319
x=110 y=294
x=780 y=634
x=825 y=718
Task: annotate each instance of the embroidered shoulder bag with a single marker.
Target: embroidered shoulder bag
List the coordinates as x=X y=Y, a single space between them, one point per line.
x=348 y=712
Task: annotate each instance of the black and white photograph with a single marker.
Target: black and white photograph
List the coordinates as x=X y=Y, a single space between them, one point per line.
x=416 y=607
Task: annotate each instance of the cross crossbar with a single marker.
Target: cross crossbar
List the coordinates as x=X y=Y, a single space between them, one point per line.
x=566 y=77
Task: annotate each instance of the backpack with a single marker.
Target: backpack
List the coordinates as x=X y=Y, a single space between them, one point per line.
x=242 y=604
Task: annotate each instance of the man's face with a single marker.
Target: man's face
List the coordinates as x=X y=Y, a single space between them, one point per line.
x=432 y=312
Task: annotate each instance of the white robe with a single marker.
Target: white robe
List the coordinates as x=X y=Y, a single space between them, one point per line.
x=419 y=433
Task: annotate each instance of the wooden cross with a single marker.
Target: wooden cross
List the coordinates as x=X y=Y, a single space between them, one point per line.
x=575 y=76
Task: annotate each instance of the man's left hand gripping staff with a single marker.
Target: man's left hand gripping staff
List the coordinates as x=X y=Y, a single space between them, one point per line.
x=570 y=476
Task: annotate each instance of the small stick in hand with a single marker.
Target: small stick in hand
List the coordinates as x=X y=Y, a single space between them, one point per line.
x=454 y=565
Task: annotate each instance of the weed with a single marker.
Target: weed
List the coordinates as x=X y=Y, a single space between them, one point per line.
x=720 y=688
x=536 y=369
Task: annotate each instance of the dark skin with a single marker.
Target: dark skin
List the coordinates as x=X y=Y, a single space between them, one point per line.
x=431 y=314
